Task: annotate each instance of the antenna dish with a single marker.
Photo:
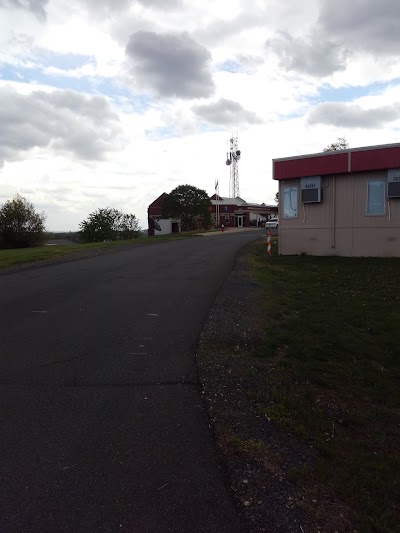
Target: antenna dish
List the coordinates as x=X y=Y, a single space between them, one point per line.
x=238 y=152
x=228 y=162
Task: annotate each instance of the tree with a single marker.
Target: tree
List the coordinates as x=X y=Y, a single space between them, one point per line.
x=340 y=144
x=190 y=204
x=20 y=225
x=109 y=224
x=127 y=226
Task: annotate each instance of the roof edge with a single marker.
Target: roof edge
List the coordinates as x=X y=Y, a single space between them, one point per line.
x=336 y=152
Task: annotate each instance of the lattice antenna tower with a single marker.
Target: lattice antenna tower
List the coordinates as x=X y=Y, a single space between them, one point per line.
x=232 y=160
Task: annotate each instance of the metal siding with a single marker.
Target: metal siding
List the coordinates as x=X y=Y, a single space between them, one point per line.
x=361 y=218
x=311 y=166
x=381 y=158
x=376 y=242
x=318 y=215
x=344 y=201
x=356 y=233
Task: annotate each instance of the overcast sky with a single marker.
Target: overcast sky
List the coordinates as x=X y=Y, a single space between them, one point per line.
x=113 y=102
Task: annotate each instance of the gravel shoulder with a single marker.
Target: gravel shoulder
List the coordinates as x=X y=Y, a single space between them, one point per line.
x=263 y=463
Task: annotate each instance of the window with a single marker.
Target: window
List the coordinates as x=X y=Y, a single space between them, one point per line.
x=376 y=198
x=227 y=218
x=290 y=202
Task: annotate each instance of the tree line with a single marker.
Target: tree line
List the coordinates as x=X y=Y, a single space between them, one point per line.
x=21 y=226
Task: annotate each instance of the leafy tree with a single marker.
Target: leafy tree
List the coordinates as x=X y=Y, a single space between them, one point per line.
x=109 y=224
x=190 y=204
x=127 y=226
x=340 y=144
x=20 y=225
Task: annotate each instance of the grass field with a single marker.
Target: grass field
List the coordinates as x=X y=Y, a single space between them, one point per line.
x=333 y=341
x=9 y=258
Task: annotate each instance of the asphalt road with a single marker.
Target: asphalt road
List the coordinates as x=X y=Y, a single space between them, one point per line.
x=103 y=427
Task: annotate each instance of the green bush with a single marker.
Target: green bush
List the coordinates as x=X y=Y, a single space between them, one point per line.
x=20 y=225
x=109 y=224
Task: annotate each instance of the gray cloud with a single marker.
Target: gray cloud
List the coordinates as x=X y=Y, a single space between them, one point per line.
x=64 y=120
x=170 y=64
x=37 y=7
x=364 y=25
x=314 y=55
x=226 y=113
x=353 y=116
x=343 y=28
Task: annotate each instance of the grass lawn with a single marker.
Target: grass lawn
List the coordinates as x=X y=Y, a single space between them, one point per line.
x=9 y=258
x=333 y=341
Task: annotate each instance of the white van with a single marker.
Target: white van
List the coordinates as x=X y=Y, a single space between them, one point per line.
x=272 y=224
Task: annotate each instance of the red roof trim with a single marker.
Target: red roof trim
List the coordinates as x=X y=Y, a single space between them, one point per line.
x=342 y=162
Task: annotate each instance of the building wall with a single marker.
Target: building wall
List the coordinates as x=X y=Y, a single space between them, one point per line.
x=251 y=215
x=340 y=225
x=165 y=225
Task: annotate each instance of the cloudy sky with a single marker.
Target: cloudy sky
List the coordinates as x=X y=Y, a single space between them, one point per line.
x=112 y=102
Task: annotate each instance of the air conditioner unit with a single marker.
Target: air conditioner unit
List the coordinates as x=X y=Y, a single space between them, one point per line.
x=393 y=190
x=311 y=191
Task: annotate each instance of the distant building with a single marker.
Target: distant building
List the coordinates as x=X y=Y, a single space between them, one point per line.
x=340 y=203
x=237 y=213
x=233 y=212
x=157 y=224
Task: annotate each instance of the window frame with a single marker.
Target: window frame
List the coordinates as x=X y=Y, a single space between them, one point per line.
x=384 y=182
x=295 y=188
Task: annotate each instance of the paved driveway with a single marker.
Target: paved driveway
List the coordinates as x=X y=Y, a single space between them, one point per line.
x=103 y=424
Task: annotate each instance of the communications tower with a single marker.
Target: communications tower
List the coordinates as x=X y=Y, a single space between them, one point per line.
x=232 y=159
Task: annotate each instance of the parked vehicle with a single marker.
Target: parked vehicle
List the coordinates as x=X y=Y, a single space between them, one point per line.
x=272 y=224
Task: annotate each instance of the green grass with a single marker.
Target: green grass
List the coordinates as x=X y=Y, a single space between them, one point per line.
x=9 y=258
x=333 y=337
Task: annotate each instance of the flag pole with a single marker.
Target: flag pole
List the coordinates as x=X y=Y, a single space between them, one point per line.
x=217 y=204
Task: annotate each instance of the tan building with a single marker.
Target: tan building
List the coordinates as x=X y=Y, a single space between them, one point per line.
x=343 y=203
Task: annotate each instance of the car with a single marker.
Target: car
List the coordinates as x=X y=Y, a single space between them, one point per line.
x=272 y=224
